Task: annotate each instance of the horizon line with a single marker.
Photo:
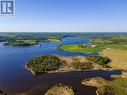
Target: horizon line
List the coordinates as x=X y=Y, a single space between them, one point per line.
x=60 y=32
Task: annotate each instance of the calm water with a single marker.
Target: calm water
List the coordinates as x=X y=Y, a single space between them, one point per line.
x=15 y=79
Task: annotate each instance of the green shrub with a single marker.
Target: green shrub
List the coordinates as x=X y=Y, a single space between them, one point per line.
x=115 y=87
x=105 y=90
x=99 y=60
x=83 y=65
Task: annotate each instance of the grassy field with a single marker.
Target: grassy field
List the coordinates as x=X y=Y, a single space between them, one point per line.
x=105 y=87
x=32 y=42
x=53 y=40
x=118 y=57
x=89 y=49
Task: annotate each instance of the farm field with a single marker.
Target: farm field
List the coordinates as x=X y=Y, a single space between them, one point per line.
x=118 y=57
x=89 y=49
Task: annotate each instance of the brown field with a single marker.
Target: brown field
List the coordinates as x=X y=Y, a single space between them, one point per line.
x=60 y=90
x=118 y=57
x=70 y=60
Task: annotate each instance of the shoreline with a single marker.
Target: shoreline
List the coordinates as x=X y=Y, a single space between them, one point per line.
x=67 y=67
x=55 y=71
x=33 y=73
x=63 y=71
x=94 y=82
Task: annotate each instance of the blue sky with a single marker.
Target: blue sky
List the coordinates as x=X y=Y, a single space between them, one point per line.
x=67 y=16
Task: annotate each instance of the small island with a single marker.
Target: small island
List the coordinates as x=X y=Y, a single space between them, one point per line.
x=60 y=89
x=21 y=43
x=57 y=63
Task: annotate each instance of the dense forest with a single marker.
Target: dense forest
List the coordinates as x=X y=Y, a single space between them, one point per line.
x=21 y=43
x=39 y=37
x=44 y=63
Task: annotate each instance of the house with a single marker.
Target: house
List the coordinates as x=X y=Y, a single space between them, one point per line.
x=88 y=44
x=93 y=44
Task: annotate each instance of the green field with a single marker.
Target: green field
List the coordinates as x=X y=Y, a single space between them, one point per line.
x=89 y=49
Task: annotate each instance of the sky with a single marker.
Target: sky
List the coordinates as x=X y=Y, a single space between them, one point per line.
x=66 y=16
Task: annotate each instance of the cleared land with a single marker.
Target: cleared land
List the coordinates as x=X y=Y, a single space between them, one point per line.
x=53 y=40
x=89 y=49
x=118 y=57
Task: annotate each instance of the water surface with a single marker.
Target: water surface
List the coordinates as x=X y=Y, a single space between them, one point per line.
x=15 y=79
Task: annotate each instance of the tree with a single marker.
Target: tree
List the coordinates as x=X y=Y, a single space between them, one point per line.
x=44 y=63
x=99 y=60
x=83 y=65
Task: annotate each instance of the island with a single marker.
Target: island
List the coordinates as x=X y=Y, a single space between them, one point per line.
x=43 y=64
x=57 y=63
x=21 y=43
x=60 y=89
x=105 y=87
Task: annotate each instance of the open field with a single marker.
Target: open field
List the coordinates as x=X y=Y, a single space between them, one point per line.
x=89 y=49
x=70 y=60
x=53 y=40
x=118 y=57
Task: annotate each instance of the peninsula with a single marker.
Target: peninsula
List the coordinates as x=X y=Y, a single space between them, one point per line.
x=57 y=63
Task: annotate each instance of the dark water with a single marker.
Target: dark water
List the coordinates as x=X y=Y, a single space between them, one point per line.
x=14 y=78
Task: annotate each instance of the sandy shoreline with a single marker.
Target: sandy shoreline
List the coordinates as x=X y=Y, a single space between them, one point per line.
x=60 y=70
